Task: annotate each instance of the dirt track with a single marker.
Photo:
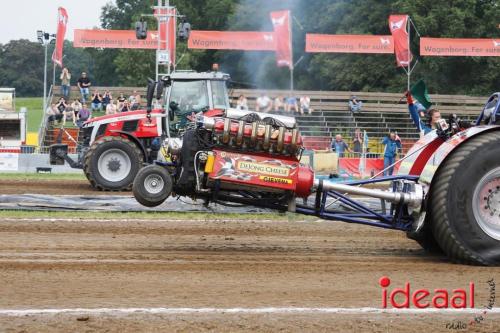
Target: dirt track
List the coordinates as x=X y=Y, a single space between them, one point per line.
x=57 y=264
x=20 y=186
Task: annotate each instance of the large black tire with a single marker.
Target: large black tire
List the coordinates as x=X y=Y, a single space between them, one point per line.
x=426 y=239
x=186 y=182
x=458 y=229
x=152 y=185
x=124 y=159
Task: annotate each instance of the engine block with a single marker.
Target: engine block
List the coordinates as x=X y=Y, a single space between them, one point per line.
x=252 y=132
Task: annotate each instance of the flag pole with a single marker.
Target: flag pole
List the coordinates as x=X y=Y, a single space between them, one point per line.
x=408 y=72
x=291 y=53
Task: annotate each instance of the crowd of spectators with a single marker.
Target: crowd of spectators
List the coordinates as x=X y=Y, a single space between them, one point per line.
x=300 y=106
x=392 y=147
x=83 y=107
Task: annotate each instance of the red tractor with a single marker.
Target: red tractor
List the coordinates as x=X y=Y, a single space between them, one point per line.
x=115 y=147
x=447 y=195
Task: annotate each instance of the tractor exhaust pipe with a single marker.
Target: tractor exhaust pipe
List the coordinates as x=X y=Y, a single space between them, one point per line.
x=413 y=199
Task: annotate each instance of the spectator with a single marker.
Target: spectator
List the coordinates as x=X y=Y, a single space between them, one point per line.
x=65 y=82
x=357 y=141
x=291 y=103
x=339 y=146
x=53 y=113
x=279 y=104
x=131 y=98
x=76 y=105
x=61 y=105
x=121 y=102
x=392 y=144
x=264 y=103
x=106 y=98
x=122 y=98
x=136 y=105
x=125 y=106
x=84 y=84
x=305 y=105
x=417 y=114
x=83 y=115
x=111 y=107
x=96 y=101
x=242 y=103
x=69 y=114
x=355 y=105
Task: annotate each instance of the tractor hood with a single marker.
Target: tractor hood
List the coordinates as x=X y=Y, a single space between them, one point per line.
x=122 y=116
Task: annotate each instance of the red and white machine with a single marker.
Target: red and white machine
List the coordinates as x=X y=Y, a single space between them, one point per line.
x=447 y=196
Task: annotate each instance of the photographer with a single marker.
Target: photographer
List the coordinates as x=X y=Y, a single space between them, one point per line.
x=392 y=145
x=65 y=82
x=61 y=105
x=357 y=141
x=96 y=104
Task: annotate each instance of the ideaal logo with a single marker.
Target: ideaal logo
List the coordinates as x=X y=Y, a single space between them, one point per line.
x=423 y=298
x=440 y=299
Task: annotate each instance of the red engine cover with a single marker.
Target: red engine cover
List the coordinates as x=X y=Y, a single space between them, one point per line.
x=263 y=171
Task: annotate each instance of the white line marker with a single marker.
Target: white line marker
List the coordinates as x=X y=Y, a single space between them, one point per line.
x=275 y=310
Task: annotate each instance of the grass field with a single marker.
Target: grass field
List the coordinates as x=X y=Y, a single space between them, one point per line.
x=41 y=176
x=35 y=111
x=148 y=215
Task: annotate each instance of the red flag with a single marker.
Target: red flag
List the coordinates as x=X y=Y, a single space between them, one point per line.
x=283 y=35
x=167 y=23
x=62 y=21
x=397 y=24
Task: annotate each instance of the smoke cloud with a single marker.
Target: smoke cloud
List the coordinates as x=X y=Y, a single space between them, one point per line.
x=256 y=68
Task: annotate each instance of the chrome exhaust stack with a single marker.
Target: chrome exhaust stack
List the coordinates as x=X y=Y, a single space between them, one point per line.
x=413 y=198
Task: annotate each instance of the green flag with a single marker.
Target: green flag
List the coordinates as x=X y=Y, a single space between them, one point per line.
x=419 y=91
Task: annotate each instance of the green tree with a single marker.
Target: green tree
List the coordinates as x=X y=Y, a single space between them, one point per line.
x=133 y=67
x=22 y=67
x=457 y=19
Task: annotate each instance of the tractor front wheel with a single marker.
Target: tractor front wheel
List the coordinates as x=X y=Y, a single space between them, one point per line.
x=111 y=163
x=152 y=185
x=465 y=202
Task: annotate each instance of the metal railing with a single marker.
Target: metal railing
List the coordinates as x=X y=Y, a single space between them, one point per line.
x=43 y=124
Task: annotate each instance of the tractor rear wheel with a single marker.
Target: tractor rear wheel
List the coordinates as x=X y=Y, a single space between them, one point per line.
x=465 y=202
x=112 y=163
x=426 y=239
x=152 y=185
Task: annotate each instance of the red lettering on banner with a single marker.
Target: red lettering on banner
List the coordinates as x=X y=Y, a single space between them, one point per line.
x=349 y=43
x=115 y=39
x=232 y=40
x=464 y=47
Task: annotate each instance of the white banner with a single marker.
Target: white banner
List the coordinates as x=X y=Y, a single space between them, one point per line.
x=9 y=161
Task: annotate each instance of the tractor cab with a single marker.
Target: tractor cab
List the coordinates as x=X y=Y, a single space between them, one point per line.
x=188 y=93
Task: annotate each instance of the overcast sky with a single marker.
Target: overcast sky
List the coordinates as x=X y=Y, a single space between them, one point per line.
x=21 y=19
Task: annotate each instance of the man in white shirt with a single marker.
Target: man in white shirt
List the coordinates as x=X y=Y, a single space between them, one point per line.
x=305 y=105
x=264 y=103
